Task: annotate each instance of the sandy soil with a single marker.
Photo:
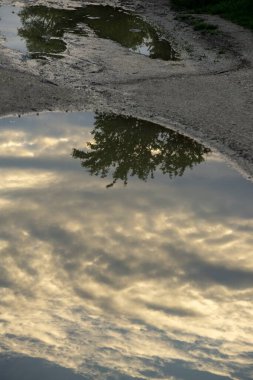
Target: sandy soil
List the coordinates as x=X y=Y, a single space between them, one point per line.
x=207 y=95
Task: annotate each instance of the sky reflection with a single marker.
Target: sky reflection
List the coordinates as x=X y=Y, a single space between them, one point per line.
x=149 y=280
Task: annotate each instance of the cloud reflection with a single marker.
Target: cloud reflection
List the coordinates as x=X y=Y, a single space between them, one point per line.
x=152 y=280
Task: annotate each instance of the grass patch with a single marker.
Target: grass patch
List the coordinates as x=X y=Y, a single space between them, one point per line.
x=238 y=11
x=198 y=23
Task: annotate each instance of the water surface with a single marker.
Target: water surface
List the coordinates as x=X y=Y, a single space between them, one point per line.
x=9 y=25
x=40 y=31
x=126 y=253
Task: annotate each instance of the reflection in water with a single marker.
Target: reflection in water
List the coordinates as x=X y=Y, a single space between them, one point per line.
x=129 y=30
x=152 y=280
x=25 y=368
x=9 y=23
x=43 y=29
x=129 y=147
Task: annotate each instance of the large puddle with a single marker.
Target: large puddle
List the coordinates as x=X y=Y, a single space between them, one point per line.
x=126 y=253
x=39 y=31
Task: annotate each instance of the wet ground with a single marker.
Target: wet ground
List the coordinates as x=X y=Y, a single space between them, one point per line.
x=126 y=253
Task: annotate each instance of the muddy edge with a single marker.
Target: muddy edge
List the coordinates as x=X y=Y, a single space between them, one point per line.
x=206 y=95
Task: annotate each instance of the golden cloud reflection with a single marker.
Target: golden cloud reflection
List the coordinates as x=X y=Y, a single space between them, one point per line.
x=152 y=280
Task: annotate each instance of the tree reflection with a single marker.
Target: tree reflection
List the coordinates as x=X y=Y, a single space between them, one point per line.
x=128 y=30
x=43 y=29
x=126 y=147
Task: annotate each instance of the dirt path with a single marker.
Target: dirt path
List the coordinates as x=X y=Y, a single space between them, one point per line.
x=208 y=94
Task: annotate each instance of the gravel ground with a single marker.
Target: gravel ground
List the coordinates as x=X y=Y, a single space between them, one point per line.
x=206 y=95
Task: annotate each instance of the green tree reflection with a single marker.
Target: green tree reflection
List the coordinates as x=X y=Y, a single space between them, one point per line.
x=128 y=30
x=125 y=147
x=43 y=29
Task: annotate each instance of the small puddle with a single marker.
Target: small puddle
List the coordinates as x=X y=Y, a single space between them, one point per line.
x=39 y=30
x=126 y=253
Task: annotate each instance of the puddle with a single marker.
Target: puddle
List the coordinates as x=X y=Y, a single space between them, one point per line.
x=40 y=31
x=126 y=253
x=9 y=24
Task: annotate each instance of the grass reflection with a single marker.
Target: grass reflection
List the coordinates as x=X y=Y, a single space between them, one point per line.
x=129 y=147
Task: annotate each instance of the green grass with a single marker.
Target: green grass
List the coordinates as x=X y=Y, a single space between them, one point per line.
x=238 y=11
x=198 y=23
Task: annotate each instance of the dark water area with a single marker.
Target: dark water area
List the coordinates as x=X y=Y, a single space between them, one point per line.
x=125 y=253
x=25 y=368
x=39 y=31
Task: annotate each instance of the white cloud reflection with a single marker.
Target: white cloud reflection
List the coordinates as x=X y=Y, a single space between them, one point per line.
x=152 y=280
